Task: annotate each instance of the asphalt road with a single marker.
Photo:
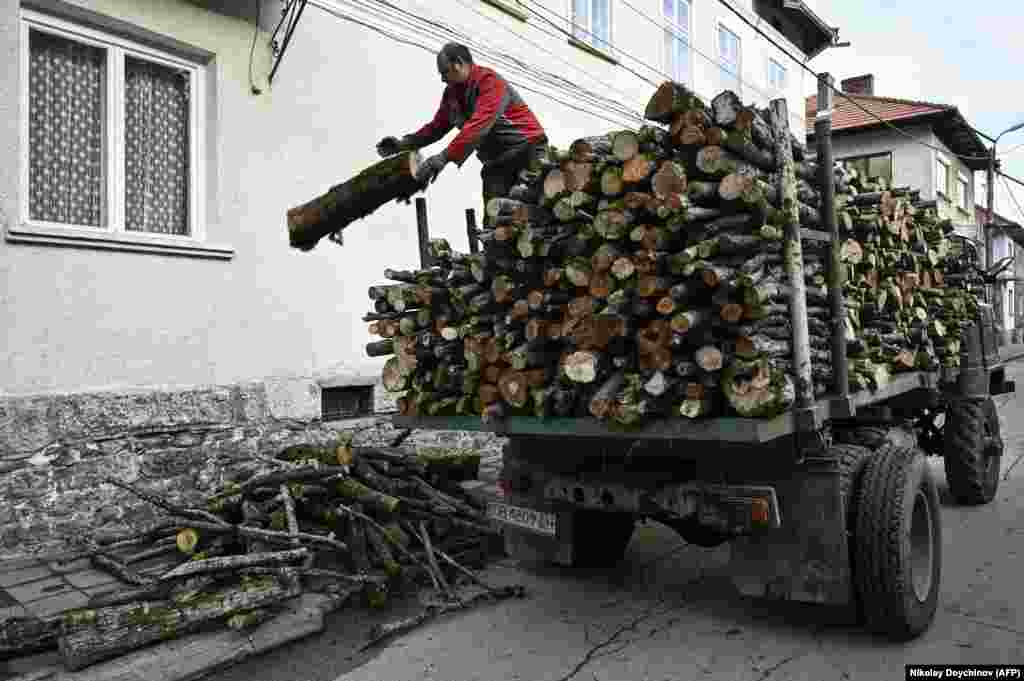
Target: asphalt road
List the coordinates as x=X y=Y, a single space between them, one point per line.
x=670 y=614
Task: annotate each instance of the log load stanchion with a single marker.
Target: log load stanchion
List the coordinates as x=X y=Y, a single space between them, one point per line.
x=836 y=274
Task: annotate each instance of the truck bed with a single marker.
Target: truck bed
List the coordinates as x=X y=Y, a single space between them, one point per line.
x=737 y=430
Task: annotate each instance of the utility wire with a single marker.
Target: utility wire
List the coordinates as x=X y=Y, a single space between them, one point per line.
x=445 y=33
x=610 y=47
x=553 y=80
x=1013 y=197
x=334 y=11
x=568 y=63
x=1011 y=178
x=690 y=47
x=840 y=93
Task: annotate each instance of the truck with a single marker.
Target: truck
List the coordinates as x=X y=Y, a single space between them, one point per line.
x=832 y=503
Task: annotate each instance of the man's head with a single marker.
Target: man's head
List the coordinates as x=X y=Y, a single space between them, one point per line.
x=454 y=62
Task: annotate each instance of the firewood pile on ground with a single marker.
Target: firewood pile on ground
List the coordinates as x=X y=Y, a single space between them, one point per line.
x=647 y=274
x=358 y=523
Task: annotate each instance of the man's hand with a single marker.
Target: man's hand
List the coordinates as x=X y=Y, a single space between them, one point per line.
x=389 y=146
x=431 y=168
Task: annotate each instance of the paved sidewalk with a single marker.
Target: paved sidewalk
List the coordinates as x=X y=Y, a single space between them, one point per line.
x=1012 y=352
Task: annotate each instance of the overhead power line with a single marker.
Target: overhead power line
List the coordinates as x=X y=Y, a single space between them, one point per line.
x=426 y=28
x=840 y=93
x=1013 y=197
x=444 y=33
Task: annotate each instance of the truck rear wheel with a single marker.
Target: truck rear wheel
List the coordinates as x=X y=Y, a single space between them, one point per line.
x=973 y=450
x=897 y=543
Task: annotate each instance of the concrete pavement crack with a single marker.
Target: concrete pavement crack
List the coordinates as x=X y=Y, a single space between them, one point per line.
x=598 y=650
x=987 y=623
x=781 y=663
x=1006 y=475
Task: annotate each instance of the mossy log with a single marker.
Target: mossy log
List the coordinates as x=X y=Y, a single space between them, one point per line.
x=91 y=635
x=755 y=389
x=669 y=99
x=384 y=181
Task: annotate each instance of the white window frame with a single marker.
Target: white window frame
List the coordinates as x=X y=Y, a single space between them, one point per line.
x=772 y=87
x=963 y=187
x=114 y=234
x=672 y=26
x=943 y=188
x=588 y=37
x=719 y=27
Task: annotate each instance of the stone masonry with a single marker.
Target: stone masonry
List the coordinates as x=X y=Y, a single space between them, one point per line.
x=183 y=444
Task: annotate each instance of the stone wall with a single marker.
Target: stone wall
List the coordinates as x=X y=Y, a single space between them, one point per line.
x=55 y=451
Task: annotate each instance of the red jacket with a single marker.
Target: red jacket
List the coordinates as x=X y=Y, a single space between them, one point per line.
x=490 y=114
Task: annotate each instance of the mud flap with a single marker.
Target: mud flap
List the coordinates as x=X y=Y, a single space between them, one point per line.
x=807 y=558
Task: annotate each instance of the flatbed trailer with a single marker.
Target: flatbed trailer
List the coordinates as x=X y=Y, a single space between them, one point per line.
x=831 y=502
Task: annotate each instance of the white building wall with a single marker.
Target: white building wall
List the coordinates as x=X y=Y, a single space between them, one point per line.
x=77 y=318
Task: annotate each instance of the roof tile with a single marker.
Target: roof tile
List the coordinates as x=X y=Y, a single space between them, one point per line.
x=846 y=114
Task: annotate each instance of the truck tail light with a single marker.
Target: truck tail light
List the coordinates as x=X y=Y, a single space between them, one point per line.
x=504 y=488
x=760 y=511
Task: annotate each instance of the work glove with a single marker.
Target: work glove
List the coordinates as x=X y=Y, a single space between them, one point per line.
x=389 y=146
x=431 y=168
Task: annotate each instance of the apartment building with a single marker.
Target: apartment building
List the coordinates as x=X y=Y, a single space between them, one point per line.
x=927 y=146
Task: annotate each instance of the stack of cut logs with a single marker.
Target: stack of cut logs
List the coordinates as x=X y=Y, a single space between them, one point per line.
x=644 y=274
x=339 y=520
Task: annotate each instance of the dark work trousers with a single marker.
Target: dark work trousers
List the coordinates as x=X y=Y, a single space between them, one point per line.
x=501 y=174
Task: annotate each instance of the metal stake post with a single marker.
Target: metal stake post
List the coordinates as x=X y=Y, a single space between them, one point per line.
x=423 y=233
x=823 y=134
x=474 y=244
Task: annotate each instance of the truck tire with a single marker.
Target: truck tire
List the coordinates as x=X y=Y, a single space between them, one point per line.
x=871 y=437
x=897 y=543
x=973 y=450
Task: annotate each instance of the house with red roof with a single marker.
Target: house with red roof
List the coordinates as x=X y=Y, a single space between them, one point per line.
x=923 y=145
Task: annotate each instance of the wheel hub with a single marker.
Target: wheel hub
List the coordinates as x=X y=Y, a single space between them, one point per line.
x=921 y=547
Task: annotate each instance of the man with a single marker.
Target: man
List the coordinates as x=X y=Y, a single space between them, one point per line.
x=492 y=118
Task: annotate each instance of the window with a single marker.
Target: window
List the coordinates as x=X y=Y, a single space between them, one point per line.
x=113 y=136
x=591 y=23
x=729 y=59
x=873 y=166
x=677 y=39
x=961 y=185
x=776 y=76
x=346 y=402
x=941 y=176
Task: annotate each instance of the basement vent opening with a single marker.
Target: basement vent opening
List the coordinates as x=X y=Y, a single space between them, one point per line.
x=346 y=402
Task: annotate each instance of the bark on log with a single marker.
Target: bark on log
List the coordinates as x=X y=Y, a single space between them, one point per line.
x=360 y=196
x=90 y=636
x=669 y=99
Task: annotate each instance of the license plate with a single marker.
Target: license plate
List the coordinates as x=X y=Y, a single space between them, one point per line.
x=527 y=518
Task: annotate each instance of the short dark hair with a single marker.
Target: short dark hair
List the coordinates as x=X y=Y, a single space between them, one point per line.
x=453 y=52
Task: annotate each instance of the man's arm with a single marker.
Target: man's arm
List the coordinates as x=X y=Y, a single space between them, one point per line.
x=491 y=101
x=432 y=131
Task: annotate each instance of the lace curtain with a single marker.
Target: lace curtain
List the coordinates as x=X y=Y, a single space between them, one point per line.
x=67 y=138
x=156 y=148
x=66 y=133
